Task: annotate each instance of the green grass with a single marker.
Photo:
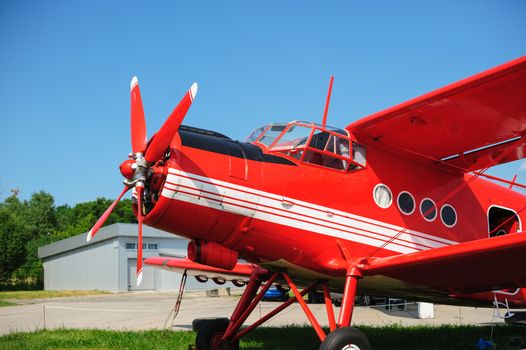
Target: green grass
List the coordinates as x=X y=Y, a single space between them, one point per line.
x=6 y=303
x=42 y=294
x=7 y=298
x=287 y=338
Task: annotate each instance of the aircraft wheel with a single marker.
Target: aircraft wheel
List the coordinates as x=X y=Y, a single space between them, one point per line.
x=209 y=336
x=238 y=283
x=345 y=338
x=201 y=279
x=219 y=280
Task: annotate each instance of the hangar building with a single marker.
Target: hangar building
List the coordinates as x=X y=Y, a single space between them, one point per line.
x=109 y=260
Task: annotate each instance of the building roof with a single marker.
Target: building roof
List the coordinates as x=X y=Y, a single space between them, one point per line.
x=105 y=233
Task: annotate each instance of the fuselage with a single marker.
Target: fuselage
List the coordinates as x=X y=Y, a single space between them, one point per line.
x=281 y=213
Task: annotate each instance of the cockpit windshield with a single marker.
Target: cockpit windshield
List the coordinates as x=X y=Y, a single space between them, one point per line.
x=310 y=143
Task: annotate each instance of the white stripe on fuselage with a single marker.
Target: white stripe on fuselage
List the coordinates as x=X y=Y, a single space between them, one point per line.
x=295 y=213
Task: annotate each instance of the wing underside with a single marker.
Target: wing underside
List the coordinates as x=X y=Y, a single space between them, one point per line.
x=469 y=125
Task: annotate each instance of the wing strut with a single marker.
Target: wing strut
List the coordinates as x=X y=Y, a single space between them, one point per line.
x=177 y=305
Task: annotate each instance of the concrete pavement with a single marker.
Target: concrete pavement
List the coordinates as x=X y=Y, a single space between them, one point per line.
x=152 y=310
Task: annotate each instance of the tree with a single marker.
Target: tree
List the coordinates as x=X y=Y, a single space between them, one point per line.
x=41 y=214
x=13 y=238
x=27 y=225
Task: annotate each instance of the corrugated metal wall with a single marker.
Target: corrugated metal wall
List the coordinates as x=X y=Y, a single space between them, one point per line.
x=71 y=264
x=91 y=267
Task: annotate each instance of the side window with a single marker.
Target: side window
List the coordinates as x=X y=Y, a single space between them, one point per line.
x=328 y=150
x=340 y=147
x=334 y=151
x=358 y=154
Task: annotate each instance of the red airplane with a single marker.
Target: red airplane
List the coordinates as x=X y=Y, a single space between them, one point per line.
x=395 y=204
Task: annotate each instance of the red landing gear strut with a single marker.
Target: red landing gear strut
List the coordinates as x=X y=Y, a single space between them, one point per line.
x=221 y=335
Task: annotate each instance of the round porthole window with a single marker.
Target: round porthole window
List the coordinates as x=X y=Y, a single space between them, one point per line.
x=406 y=203
x=448 y=215
x=382 y=196
x=428 y=209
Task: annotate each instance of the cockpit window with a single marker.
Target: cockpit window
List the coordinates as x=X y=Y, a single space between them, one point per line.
x=295 y=136
x=311 y=143
x=272 y=133
x=255 y=135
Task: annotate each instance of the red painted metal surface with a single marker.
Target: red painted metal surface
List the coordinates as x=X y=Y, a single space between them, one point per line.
x=312 y=319
x=140 y=216
x=168 y=130
x=326 y=111
x=105 y=215
x=274 y=312
x=236 y=323
x=451 y=267
x=138 y=123
x=482 y=110
x=243 y=303
x=349 y=292
x=328 y=307
x=283 y=211
x=212 y=254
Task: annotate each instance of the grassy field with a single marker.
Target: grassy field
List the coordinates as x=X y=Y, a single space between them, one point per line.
x=289 y=338
x=6 y=303
x=41 y=294
x=7 y=298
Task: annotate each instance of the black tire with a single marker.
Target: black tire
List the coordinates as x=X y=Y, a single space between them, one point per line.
x=202 y=279
x=337 y=302
x=199 y=322
x=239 y=284
x=219 y=280
x=346 y=338
x=210 y=332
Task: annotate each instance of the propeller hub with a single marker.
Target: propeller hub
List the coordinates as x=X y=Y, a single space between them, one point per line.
x=127 y=168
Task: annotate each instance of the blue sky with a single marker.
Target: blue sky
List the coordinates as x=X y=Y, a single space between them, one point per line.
x=65 y=68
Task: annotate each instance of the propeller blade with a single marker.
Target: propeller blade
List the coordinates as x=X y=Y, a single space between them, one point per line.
x=138 y=123
x=162 y=139
x=139 y=235
x=104 y=216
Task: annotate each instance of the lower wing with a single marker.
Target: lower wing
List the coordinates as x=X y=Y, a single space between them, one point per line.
x=240 y=273
x=481 y=265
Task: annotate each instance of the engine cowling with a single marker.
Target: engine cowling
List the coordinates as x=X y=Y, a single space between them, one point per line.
x=212 y=254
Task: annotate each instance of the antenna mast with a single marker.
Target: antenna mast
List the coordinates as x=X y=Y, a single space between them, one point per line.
x=324 y=121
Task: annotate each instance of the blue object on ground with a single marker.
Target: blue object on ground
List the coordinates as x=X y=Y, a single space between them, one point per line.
x=484 y=344
x=275 y=293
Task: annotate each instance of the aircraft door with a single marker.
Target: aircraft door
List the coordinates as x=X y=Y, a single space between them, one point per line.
x=237 y=161
x=502 y=221
x=237 y=199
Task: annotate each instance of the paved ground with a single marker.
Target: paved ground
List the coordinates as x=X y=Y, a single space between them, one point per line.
x=151 y=310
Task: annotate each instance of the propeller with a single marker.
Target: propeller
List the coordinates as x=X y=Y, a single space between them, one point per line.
x=138 y=123
x=140 y=190
x=166 y=133
x=105 y=216
x=136 y=169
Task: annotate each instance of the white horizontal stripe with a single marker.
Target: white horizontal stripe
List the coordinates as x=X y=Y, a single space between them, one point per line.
x=337 y=213
x=319 y=219
x=296 y=224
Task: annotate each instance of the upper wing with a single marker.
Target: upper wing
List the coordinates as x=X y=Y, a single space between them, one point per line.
x=466 y=124
x=240 y=272
x=481 y=265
